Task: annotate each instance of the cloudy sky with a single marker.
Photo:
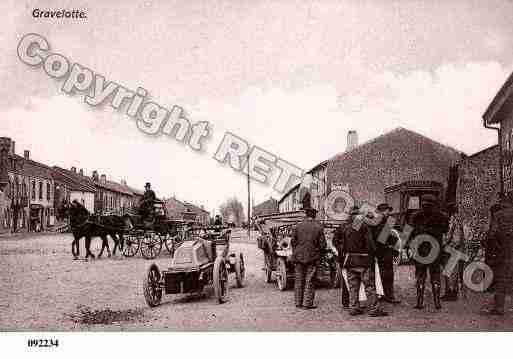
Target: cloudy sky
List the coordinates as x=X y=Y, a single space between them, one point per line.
x=289 y=76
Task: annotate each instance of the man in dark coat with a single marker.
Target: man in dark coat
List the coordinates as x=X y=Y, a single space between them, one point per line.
x=307 y=243
x=356 y=243
x=429 y=226
x=385 y=252
x=148 y=200
x=501 y=234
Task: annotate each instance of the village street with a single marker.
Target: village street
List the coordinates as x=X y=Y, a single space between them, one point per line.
x=42 y=288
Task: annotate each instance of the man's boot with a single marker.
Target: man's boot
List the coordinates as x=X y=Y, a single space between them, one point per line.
x=436 y=295
x=420 y=296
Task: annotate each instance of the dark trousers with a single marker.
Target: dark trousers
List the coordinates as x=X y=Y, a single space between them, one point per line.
x=502 y=279
x=421 y=271
x=355 y=276
x=304 y=288
x=386 y=267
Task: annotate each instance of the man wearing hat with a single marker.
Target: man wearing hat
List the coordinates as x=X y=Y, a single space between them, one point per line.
x=385 y=251
x=429 y=226
x=307 y=243
x=148 y=200
x=354 y=241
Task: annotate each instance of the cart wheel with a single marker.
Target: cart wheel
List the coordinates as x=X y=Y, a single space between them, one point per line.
x=220 y=280
x=151 y=245
x=268 y=268
x=281 y=276
x=336 y=275
x=240 y=271
x=169 y=242
x=151 y=286
x=131 y=246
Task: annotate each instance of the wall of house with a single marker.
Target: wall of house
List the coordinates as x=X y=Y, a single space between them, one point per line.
x=478 y=188
x=507 y=150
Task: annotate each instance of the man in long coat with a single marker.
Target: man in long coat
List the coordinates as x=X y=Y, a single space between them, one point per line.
x=307 y=243
x=501 y=234
x=430 y=223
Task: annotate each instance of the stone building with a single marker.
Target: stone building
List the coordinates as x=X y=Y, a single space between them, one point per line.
x=366 y=170
x=478 y=189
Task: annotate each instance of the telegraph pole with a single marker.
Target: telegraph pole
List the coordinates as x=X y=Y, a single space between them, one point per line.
x=249 y=204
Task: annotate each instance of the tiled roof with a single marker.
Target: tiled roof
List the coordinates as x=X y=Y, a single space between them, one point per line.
x=73 y=181
x=114 y=187
x=31 y=168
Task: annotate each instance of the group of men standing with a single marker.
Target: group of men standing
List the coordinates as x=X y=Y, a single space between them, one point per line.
x=358 y=251
x=365 y=245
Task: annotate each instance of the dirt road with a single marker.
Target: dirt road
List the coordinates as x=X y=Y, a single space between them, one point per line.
x=42 y=288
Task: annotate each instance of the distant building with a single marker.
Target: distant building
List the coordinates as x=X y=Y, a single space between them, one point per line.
x=112 y=197
x=179 y=210
x=266 y=207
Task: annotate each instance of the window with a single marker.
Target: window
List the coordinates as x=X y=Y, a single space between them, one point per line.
x=33 y=190
x=40 y=190
x=48 y=191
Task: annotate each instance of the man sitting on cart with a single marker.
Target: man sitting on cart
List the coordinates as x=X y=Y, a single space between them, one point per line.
x=146 y=208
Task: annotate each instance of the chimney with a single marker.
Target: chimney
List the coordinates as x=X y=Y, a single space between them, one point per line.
x=81 y=172
x=26 y=154
x=103 y=179
x=352 y=140
x=95 y=176
x=13 y=148
x=74 y=169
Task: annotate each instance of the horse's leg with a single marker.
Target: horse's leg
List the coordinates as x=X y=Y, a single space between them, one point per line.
x=75 y=247
x=88 y=247
x=105 y=244
x=116 y=242
x=121 y=241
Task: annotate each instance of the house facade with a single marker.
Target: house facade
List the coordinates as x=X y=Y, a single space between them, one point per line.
x=28 y=195
x=70 y=186
x=499 y=117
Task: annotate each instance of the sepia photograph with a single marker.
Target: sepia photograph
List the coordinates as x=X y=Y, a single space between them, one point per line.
x=252 y=167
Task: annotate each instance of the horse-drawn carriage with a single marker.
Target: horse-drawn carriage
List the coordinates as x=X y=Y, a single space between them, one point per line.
x=204 y=259
x=149 y=234
x=275 y=241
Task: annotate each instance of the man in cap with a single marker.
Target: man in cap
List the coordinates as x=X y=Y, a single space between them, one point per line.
x=429 y=226
x=358 y=248
x=385 y=251
x=501 y=234
x=307 y=243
